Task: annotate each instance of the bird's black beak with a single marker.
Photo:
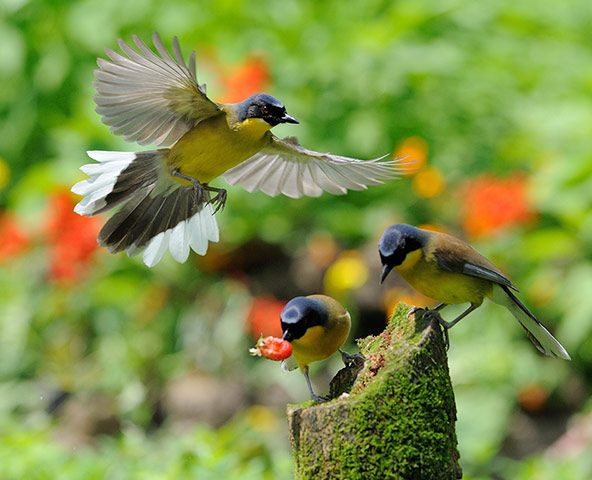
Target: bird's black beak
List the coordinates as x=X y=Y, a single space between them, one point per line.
x=288 y=119
x=385 y=271
x=287 y=336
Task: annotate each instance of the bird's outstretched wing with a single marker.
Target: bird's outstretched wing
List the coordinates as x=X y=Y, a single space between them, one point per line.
x=286 y=167
x=147 y=98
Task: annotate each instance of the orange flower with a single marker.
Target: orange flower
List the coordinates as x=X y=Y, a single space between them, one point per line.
x=13 y=240
x=491 y=204
x=433 y=227
x=72 y=238
x=416 y=151
x=428 y=181
x=249 y=77
x=264 y=317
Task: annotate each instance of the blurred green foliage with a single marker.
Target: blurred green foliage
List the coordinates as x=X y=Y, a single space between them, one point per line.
x=500 y=87
x=235 y=451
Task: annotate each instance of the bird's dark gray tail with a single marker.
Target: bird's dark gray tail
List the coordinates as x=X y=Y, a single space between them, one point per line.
x=535 y=330
x=156 y=211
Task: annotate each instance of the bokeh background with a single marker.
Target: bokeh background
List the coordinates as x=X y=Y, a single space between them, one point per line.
x=111 y=370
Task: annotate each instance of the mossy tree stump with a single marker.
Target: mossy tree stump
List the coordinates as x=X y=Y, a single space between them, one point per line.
x=397 y=422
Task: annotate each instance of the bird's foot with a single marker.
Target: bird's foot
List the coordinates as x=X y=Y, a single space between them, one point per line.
x=319 y=398
x=416 y=310
x=198 y=190
x=434 y=314
x=219 y=201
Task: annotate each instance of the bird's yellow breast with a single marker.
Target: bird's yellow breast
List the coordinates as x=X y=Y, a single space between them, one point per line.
x=424 y=275
x=214 y=146
x=319 y=343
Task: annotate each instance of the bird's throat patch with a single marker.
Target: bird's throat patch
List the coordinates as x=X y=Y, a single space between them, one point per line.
x=310 y=338
x=255 y=127
x=410 y=260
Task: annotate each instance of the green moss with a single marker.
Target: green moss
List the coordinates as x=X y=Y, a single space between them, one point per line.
x=398 y=421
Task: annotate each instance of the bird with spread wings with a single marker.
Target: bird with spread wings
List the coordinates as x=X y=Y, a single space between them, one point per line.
x=164 y=195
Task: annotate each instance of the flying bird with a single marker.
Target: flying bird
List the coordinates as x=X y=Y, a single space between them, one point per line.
x=164 y=195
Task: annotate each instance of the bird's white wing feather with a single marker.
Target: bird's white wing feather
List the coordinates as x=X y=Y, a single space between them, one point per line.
x=157 y=213
x=287 y=168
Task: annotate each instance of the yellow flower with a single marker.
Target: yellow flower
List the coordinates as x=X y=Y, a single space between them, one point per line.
x=428 y=182
x=4 y=173
x=347 y=272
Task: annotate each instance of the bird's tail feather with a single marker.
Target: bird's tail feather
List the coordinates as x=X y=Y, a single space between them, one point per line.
x=157 y=212
x=538 y=334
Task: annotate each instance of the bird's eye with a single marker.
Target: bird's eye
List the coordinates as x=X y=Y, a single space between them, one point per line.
x=264 y=110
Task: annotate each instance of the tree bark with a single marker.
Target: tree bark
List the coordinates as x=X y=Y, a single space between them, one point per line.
x=397 y=421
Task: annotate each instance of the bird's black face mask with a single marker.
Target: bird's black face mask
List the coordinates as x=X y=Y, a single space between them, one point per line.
x=299 y=315
x=394 y=247
x=267 y=108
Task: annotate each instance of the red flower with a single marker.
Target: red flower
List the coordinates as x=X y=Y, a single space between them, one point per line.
x=491 y=204
x=13 y=240
x=249 y=77
x=264 y=317
x=72 y=239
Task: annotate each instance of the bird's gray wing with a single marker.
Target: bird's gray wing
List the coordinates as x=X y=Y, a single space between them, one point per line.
x=286 y=167
x=457 y=257
x=485 y=273
x=147 y=98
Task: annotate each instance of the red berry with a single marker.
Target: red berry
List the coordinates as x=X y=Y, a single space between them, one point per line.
x=273 y=348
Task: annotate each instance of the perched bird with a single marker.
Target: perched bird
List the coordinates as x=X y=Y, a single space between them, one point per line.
x=165 y=195
x=317 y=326
x=450 y=271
